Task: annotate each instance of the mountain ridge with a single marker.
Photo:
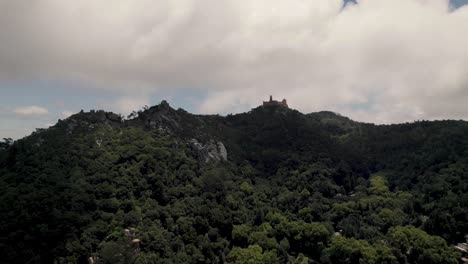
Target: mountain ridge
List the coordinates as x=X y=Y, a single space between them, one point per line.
x=271 y=184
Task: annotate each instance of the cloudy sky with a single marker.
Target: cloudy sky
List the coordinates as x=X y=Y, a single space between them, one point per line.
x=377 y=61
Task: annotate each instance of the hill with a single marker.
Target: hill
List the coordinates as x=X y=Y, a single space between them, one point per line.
x=269 y=186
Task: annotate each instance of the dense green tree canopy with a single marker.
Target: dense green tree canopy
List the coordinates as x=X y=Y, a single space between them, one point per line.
x=294 y=189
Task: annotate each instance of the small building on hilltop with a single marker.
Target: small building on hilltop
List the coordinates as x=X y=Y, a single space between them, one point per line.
x=283 y=103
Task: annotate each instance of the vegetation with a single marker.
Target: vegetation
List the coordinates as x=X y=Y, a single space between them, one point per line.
x=316 y=188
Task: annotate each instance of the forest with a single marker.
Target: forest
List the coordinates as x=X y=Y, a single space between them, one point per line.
x=271 y=185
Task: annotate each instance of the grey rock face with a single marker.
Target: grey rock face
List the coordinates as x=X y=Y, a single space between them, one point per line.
x=161 y=121
x=211 y=151
x=222 y=150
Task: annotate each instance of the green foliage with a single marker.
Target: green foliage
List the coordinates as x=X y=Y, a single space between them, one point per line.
x=295 y=189
x=350 y=250
x=116 y=252
x=253 y=254
x=246 y=187
x=419 y=247
x=377 y=185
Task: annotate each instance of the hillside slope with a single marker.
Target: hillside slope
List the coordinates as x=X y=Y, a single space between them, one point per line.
x=271 y=186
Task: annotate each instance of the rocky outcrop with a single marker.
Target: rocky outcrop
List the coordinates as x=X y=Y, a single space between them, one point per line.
x=88 y=120
x=162 y=121
x=161 y=117
x=211 y=151
x=222 y=151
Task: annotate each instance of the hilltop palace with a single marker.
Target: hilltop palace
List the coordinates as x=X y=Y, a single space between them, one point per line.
x=274 y=102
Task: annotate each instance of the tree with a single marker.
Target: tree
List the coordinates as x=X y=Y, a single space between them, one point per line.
x=116 y=252
x=420 y=247
x=350 y=250
x=6 y=143
x=240 y=234
x=253 y=254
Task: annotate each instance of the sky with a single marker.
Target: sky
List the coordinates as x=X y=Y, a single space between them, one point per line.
x=374 y=61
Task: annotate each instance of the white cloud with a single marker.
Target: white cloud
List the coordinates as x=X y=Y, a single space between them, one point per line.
x=400 y=59
x=30 y=111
